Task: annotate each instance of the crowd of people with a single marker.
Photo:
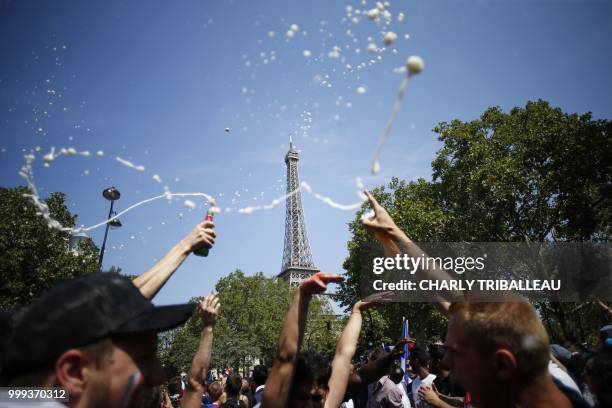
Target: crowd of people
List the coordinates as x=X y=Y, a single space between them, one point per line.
x=95 y=336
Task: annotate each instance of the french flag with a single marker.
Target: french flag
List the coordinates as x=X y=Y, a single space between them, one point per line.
x=406 y=356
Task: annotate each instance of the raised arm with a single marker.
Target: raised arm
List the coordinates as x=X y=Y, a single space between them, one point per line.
x=345 y=350
x=278 y=385
x=150 y=282
x=375 y=369
x=208 y=309
x=395 y=241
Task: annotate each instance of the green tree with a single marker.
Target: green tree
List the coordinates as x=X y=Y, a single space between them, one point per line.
x=34 y=257
x=534 y=173
x=531 y=173
x=414 y=207
x=252 y=312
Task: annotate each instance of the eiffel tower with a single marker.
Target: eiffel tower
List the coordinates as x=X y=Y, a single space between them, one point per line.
x=297 y=259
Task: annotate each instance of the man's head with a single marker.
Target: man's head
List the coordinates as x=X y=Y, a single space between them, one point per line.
x=397 y=374
x=260 y=375
x=436 y=365
x=175 y=387
x=152 y=397
x=375 y=354
x=495 y=347
x=419 y=359
x=94 y=335
x=245 y=388
x=309 y=387
x=598 y=375
x=215 y=390
x=233 y=385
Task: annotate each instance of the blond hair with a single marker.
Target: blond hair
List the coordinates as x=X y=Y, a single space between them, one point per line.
x=513 y=325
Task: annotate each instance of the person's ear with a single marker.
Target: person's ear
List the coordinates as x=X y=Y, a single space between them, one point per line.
x=70 y=371
x=505 y=364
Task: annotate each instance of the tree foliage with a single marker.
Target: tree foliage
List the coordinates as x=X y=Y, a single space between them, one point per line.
x=533 y=173
x=34 y=257
x=528 y=173
x=251 y=317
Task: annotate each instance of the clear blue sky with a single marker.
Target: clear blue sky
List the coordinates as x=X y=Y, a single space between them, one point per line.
x=157 y=83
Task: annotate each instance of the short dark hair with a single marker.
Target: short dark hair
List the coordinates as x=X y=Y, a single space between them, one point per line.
x=375 y=354
x=233 y=384
x=437 y=351
x=260 y=375
x=152 y=397
x=602 y=363
x=175 y=385
x=421 y=355
x=397 y=374
x=313 y=368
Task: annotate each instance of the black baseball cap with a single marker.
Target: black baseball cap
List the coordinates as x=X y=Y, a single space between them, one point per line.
x=81 y=311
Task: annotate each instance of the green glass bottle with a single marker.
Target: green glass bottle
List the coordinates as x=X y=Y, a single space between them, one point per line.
x=204 y=250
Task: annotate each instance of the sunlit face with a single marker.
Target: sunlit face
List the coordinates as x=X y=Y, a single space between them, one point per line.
x=466 y=362
x=133 y=365
x=307 y=395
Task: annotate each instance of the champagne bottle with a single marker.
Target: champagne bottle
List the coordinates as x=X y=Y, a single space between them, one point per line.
x=203 y=251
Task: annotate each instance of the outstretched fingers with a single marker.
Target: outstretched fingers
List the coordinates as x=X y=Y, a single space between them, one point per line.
x=328 y=277
x=215 y=304
x=373 y=202
x=317 y=283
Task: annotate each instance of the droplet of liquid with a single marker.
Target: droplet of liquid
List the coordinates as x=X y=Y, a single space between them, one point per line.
x=375 y=167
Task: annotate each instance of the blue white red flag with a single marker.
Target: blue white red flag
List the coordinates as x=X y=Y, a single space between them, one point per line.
x=406 y=356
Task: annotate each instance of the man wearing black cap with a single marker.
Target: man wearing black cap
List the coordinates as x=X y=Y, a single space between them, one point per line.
x=94 y=336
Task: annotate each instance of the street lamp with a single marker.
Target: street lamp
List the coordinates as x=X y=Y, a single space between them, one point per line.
x=111 y=194
x=75 y=240
x=115 y=222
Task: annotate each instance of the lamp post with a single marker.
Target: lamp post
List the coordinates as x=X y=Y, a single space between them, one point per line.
x=111 y=194
x=75 y=240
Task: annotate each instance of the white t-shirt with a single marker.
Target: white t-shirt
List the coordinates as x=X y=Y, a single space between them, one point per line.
x=348 y=404
x=416 y=384
x=562 y=377
x=405 y=400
